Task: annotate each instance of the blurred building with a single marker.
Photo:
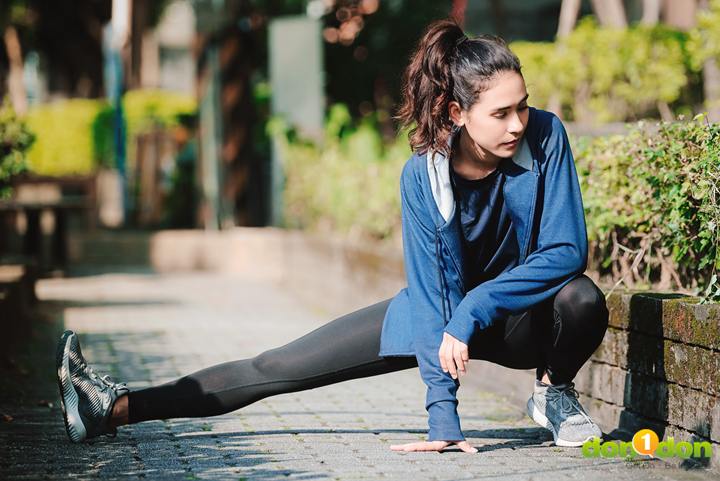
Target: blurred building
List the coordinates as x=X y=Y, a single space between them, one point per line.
x=167 y=61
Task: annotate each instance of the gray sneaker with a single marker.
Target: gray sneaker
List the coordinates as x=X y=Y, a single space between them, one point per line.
x=557 y=408
x=87 y=400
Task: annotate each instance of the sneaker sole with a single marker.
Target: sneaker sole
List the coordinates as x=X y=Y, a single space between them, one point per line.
x=68 y=396
x=540 y=418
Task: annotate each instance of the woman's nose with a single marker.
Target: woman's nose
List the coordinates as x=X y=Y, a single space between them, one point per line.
x=516 y=125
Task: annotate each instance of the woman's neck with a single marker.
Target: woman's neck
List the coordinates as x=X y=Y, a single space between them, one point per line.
x=469 y=160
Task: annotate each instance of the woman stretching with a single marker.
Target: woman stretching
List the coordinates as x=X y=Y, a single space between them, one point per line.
x=495 y=248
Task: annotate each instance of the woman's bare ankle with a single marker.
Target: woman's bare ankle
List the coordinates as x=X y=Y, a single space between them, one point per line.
x=546 y=379
x=120 y=414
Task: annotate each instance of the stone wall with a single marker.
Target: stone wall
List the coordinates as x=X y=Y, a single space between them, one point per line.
x=657 y=368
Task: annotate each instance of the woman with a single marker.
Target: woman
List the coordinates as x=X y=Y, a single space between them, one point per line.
x=495 y=248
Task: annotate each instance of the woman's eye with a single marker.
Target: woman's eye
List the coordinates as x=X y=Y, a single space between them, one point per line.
x=500 y=116
x=523 y=107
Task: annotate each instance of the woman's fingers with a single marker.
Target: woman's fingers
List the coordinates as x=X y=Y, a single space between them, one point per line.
x=458 y=356
x=453 y=355
x=432 y=446
x=465 y=446
x=450 y=361
x=422 y=446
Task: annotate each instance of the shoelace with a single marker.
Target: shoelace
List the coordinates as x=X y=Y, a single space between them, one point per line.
x=103 y=384
x=568 y=401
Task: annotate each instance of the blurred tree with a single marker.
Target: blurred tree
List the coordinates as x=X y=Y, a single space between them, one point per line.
x=15 y=22
x=67 y=33
x=16 y=87
x=651 y=12
x=610 y=13
x=367 y=43
x=568 y=17
x=711 y=75
x=680 y=14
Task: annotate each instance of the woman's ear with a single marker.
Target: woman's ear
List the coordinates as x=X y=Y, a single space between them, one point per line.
x=456 y=114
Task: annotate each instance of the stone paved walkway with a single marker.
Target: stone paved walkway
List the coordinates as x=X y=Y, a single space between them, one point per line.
x=146 y=329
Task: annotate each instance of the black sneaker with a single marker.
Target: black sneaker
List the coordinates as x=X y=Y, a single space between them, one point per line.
x=87 y=400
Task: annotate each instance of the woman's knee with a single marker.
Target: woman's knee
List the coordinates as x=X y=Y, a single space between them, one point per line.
x=270 y=364
x=581 y=306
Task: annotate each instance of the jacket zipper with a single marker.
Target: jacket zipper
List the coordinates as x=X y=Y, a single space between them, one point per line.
x=442 y=291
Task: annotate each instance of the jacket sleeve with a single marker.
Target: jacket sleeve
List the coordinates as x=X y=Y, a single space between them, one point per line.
x=560 y=256
x=426 y=298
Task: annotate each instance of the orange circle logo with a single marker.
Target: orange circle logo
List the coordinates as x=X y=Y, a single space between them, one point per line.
x=645 y=442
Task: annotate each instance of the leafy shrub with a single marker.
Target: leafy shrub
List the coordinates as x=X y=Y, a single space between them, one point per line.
x=602 y=75
x=652 y=200
x=75 y=136
x=15 y=140
x=350 y=183
x=64 y=144
x=152 y=108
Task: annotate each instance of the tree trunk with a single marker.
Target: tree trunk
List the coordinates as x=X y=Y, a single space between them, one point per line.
x=16 y=85
x=610 y=13
x=711 y=88
x=680 y=14
x=651 y=12
x=498 y=17
x=568 y=17
x=711 y=80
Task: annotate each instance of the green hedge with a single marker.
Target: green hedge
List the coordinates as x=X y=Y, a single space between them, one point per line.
x=652 y=200
x=349 y=184
x=603 y=75
x=651 y=197
x=64 y=142
x=75 y=136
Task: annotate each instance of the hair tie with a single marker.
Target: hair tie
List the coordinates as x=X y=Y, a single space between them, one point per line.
x=460 y=40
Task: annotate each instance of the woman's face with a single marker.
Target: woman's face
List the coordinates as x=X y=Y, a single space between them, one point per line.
x=497 y=121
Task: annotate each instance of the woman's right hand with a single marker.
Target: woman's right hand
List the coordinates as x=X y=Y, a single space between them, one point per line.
x=432 y=446
x=453 y=355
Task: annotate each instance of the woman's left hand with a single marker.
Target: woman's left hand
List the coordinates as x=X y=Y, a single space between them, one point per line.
x=453 y=355
x=432 y=446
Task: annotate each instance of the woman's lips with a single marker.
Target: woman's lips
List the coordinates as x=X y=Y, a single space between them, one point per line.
x=512 y=144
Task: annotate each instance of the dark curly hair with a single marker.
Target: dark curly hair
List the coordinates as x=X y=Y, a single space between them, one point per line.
x=447 y=67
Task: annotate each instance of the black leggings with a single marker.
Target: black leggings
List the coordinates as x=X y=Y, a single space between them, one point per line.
x=557 y=336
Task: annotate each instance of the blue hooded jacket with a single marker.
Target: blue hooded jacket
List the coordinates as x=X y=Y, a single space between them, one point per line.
x=543 y=198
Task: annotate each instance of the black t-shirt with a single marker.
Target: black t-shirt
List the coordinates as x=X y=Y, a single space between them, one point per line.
x=490 y=242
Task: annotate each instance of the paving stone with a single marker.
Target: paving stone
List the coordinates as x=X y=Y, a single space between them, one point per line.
x=146 y=329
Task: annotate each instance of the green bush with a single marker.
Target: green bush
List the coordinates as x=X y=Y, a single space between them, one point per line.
x=75 y=136
x=15 y=140
x=147 y=109
x=602 y=75
x=64 y=144
x=652 y=200
x=349 y=183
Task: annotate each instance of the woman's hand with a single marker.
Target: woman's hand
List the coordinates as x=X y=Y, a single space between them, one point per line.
x=453 y=355
x=432 y=446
